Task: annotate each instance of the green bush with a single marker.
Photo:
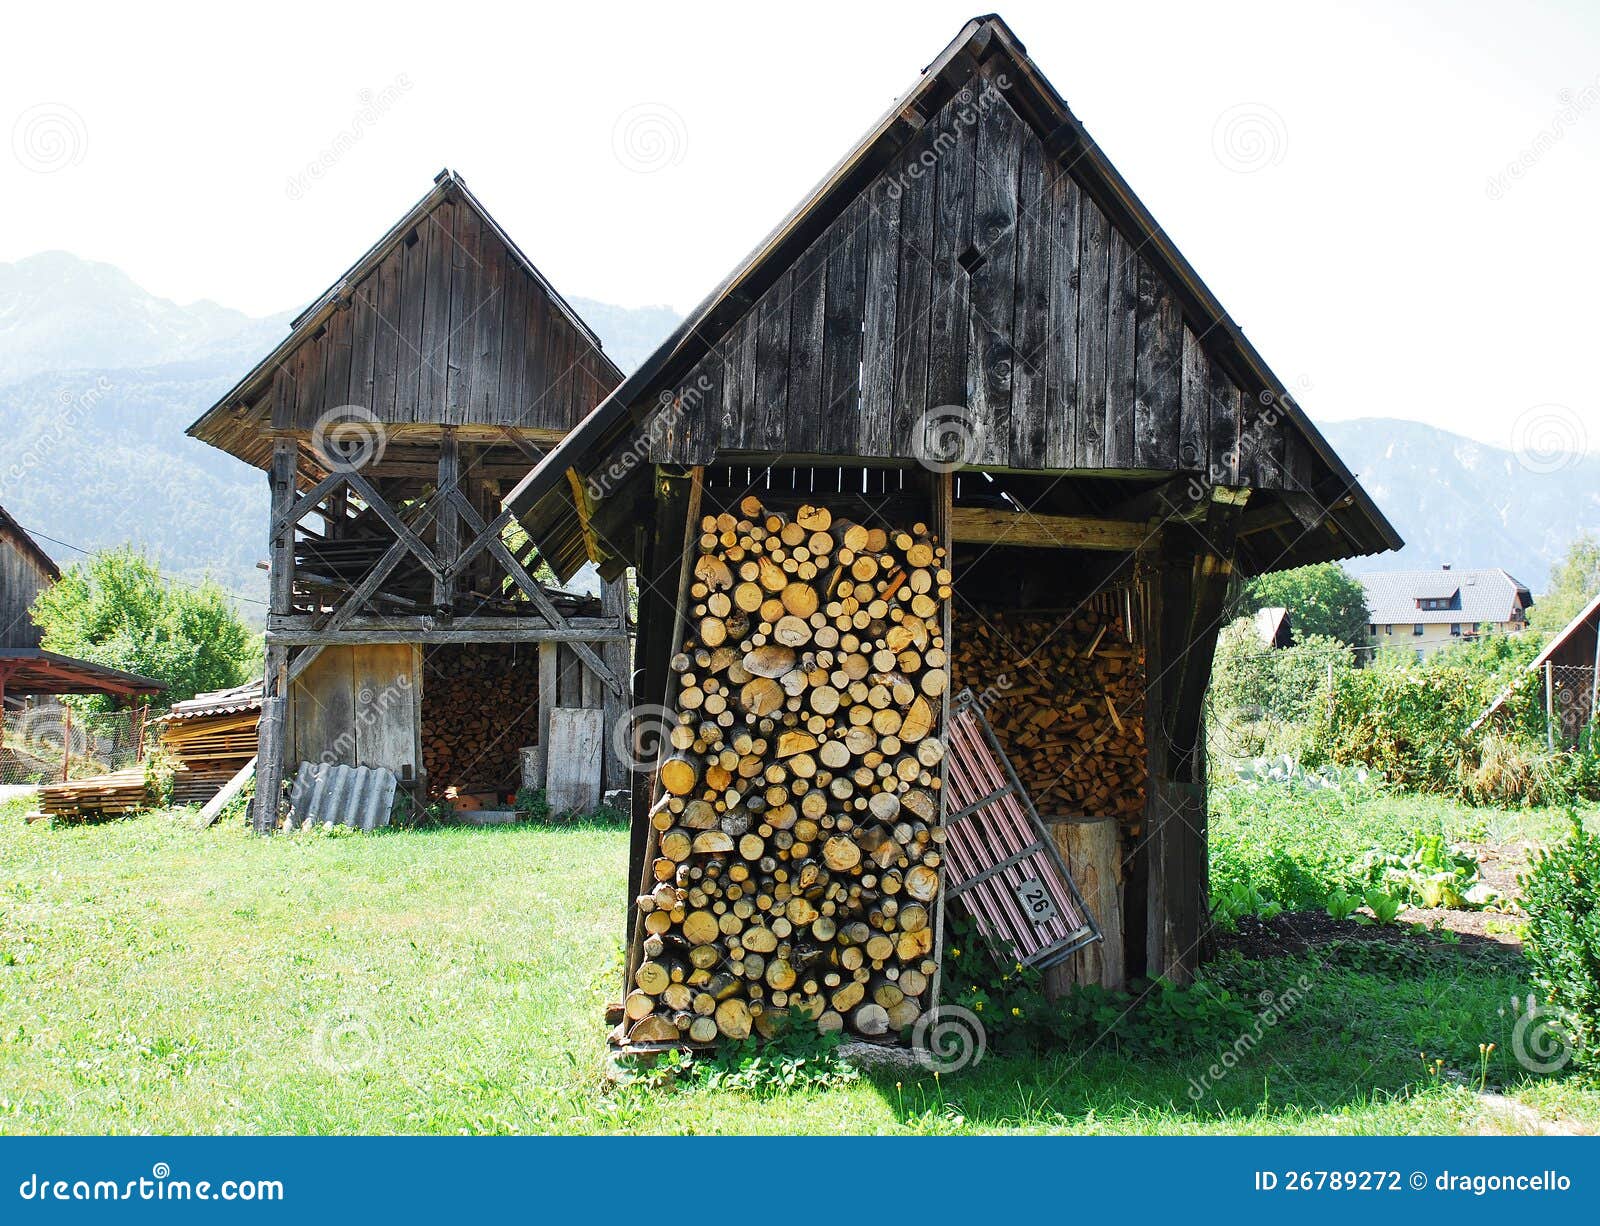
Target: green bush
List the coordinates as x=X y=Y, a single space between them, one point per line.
x=1019 y=1018
x=1561 y=896
x=1416 y=722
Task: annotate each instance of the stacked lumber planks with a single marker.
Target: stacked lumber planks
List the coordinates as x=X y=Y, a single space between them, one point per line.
x=1065 y=697
x=210 y=749
x=796 y=844
x=101 y=795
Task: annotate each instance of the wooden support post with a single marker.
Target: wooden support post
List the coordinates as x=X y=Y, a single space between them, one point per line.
x=941 y=521
x=1549 y=704
x=549 y=672
x=663 y=600
x=614 y=603
x=66 y=739
x=272 y=735
x=447 y=545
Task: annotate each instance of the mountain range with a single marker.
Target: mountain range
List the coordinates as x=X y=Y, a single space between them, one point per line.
x=98 y=379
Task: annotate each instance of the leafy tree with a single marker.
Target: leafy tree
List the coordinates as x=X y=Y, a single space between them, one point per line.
x=116 y=609
x=1573 y=584
x=1251 y=681
x=1322 y=599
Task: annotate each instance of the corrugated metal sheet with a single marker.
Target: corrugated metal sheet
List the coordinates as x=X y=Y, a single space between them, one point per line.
x=1002 y=867
x=245 y=697
x=356 y=796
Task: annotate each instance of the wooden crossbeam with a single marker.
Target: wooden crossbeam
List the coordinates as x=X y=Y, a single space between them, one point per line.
x=350 y=605
x=380 y=507
x=306 y=503
x=531 y=588
x=988 y=526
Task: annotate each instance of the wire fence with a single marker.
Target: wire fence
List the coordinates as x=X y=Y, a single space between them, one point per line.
x=1569 y=702
x=49 y=741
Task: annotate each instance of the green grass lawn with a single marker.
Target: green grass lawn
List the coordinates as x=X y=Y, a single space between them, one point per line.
x=158 y=978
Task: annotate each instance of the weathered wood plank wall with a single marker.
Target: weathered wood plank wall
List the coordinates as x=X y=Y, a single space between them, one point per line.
x=976 y=272
x=21 y=580
x=447 y=329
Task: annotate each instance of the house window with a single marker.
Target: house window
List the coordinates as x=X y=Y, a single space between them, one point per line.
x=1455 y=629
x=1417 y=629
x=1388 y=629
x=1421 y=655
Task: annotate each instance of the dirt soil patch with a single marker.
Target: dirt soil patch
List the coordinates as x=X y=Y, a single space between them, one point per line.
x=1297 y=932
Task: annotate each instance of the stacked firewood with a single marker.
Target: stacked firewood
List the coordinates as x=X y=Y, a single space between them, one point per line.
x=796 y=842
x=480 y=706
x=1065 y=695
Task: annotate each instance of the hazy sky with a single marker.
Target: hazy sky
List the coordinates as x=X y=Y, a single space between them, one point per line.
x=1396 y=201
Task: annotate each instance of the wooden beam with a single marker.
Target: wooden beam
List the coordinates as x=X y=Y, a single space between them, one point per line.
x=532 y=453
x=549 y=634
x=380 y=507
x=447 y=540
x=585 y=512
x=307 y=502
x=531 y=588
x=352 y=603
x=987 y=526
x=671 y=557
x=595 y=629
x=280 y=541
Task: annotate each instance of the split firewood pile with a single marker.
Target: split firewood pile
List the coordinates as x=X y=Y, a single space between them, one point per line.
x=480 y=706
x=796 y=843
x=1065 y=696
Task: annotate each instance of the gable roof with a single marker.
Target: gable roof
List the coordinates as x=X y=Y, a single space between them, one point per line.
x=1588 y=619
x=544 y=501
x=1486 y=596
x=238 y=420
x=1272 y=626
x=14 y=532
